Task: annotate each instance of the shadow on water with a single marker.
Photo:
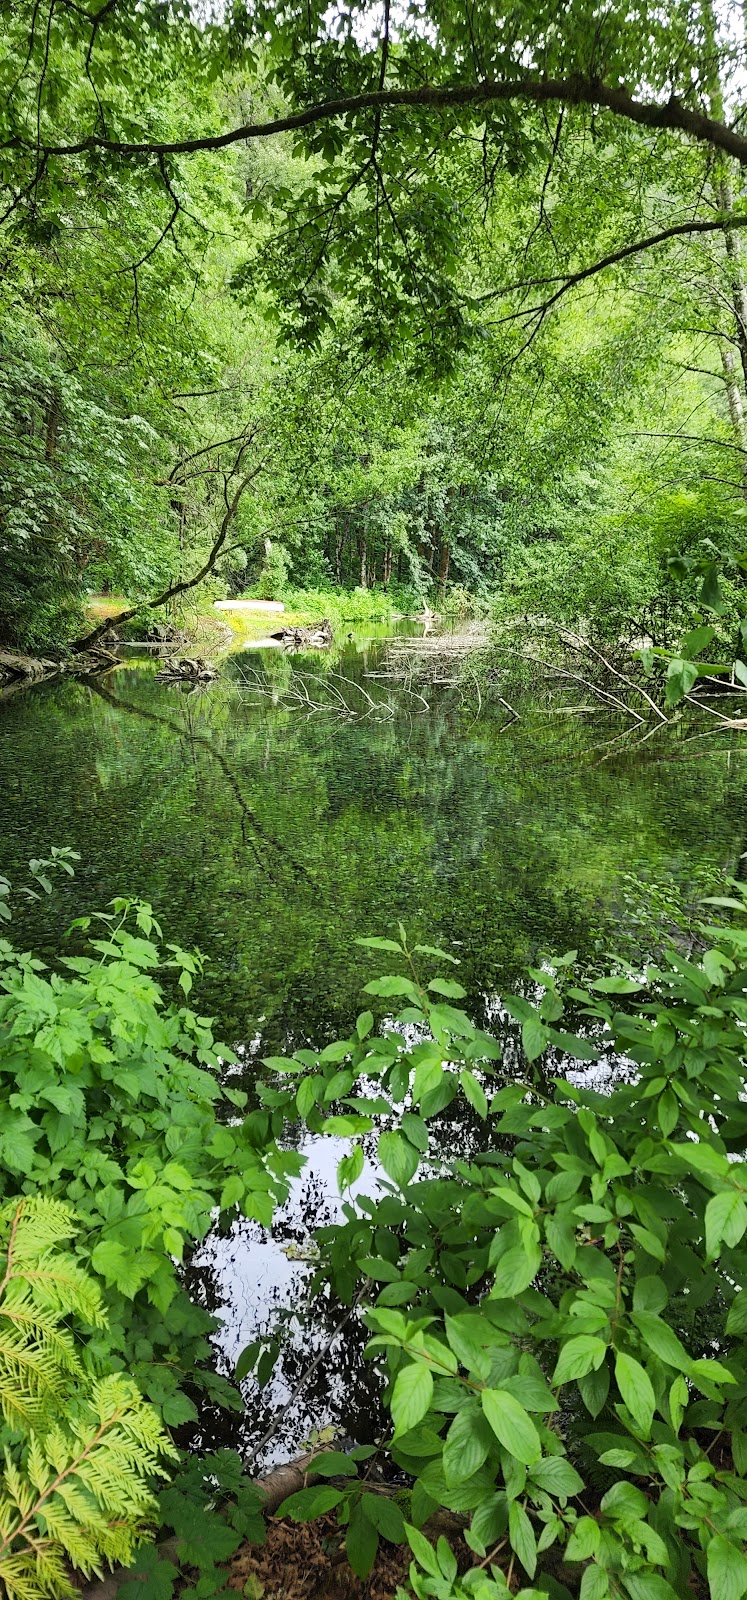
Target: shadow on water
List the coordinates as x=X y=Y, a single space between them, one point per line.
x=272 y=833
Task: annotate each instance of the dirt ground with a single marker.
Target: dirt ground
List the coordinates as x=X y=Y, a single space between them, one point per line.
x=306 y=1561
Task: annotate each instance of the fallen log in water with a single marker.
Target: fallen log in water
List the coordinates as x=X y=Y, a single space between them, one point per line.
x=15 y=665
x=315 y=637
x=187 y=669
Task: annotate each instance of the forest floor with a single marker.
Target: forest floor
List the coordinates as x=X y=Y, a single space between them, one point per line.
x=306 y=1561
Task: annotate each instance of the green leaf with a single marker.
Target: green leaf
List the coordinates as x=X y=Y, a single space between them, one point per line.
x=736 y=1321
x=447 y=987
x=411 y=1396
x=727 y=1569
x=615 y=985
x=661 y=1339
x=397 y=1157
x=468 y=1445
x=515 y=1270
x=578 y=1356
x=381 y=944
x=422 y=1550
x=521 y=1536
x=389 y=987
x=636 y=1390
x=534 y=1037
x=512 y=1425
x=247 y=1360
x=474 y=1092
x=695 y=641
x=361 y=1543
x=649 y=1586
x=334 y=1464
x=681 y=675
x=312 y=1502
x=556 y=1475
x=232 y=1192
x=349 y=1168
x=725 y=1220
x=594 y=1388
x=385 y=1516
x=464 y=1336
x=585 y=1540
x=118 y=1266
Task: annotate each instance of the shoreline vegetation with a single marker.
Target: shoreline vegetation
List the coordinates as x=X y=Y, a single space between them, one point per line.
x=555 y=1320
x=428 y=323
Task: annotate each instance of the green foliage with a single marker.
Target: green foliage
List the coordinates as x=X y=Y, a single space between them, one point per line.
x=558 y=1319
x=110 y=1100
x=81 y=1448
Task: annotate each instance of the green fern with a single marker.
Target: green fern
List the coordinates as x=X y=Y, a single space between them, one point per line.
x=80 y=1449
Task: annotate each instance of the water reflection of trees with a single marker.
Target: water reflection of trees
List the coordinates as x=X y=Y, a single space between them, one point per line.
x=497 y=843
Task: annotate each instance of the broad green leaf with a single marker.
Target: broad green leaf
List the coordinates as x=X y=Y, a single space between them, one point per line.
x=515 y=1270
x=422 y=1550
x=727 y=1569
x=534 y=1037
x=556 y=1475
x=650 y=1586
x=361 y=1543
x=578 y=1356
x=636 y=1390
x=474 y=1092
x=512 y=1425
x=381 y=944
x=448 y=988
x=662 y=1340
x=312 y=1502
x=349 y=1168
x=468 y=1444
x=521 y=1536
x=411 y=1396
x=398 y=1157
x=385 y=1515
x=725 y=1220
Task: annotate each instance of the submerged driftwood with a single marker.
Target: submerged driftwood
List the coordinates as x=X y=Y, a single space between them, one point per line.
x=315 y=637
x=187 y=669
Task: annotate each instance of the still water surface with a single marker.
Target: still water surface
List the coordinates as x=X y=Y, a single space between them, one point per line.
x=271 y=832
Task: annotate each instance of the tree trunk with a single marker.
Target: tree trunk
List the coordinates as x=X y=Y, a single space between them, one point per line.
x=738 y=287
x=387 y=567
x=362 y=553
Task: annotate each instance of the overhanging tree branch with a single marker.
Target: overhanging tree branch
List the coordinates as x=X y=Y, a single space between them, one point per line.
x=578 y=89
x=181 y=587
x=572 y=279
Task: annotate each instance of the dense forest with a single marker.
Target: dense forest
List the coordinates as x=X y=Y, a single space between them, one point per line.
x=363 y=309
x=483 y=335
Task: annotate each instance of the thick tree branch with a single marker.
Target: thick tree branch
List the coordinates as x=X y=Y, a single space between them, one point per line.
x=673 y=115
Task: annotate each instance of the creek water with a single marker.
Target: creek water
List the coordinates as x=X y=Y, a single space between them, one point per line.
x=298 y=803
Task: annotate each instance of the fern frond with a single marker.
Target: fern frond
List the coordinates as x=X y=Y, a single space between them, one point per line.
x=76 y=1489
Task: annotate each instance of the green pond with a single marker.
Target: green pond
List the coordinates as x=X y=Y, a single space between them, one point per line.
x=297 y=803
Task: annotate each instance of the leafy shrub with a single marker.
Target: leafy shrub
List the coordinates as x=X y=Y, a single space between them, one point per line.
x=558 y=1318
x=109 y=1099
x=80 y=1445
